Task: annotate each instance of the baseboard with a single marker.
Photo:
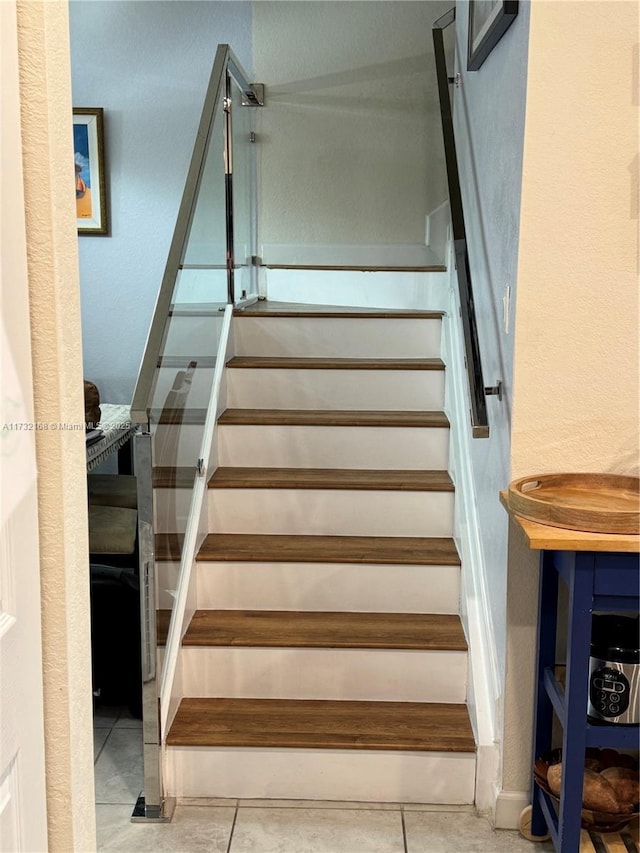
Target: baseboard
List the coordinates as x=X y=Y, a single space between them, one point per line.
x=436 y=227
x=508 y=808
x=487 y=771
x=484 y=689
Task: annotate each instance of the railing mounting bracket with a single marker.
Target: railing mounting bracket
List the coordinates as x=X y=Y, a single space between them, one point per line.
x=253 y=96
x=494 y=390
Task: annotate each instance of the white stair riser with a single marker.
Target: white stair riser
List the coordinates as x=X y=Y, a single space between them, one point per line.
x=322 y=774
x=331 y=512
x=379 y=675
x=337 y=337
x=166 y=583
x=171 y=509
x=329 y=587
x=177 y=445
x=333 y=447
x=193 y=336
x=389 y=390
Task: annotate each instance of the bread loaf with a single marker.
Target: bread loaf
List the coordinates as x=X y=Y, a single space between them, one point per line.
x=624 y=782
x=554 y=778
x=598 y=794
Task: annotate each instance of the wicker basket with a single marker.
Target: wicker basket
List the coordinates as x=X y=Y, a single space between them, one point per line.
x=597 y=821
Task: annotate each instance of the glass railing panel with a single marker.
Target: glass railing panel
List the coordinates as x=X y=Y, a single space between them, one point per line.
x=242 y=120
x=206 y=246
x=205 y=286
x=196 y=528
x=186 y=363
x=175 y=401
x=183 y=384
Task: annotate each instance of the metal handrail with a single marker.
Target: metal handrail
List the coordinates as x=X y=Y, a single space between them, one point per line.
x=225 y=64
x=477 y=390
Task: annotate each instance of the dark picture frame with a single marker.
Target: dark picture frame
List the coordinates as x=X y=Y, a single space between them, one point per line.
x=90 y=179
x=488 y=22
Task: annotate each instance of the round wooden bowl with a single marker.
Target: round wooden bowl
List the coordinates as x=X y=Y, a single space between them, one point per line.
x=598 y=821
x=594 y=503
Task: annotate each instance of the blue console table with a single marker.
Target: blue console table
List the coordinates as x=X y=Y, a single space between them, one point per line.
x=602 y=573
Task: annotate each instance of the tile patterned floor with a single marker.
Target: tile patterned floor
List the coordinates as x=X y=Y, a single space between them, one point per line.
x=262 y=826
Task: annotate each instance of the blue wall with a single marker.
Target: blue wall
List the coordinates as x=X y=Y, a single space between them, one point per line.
x=147 y=64
x=489 y=109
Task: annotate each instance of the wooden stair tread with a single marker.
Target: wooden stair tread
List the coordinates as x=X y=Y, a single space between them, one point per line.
x=330 y=478
x=183 y=361
x=163 y=619
x=318 y=630
x=168 y=547
x=359 y=267
x=299 y=363
x=172 y=477
x=324 y=417
x=197 y=309
x=322 y=724
x=292 y=309
x=184 y=417
x=282 y=548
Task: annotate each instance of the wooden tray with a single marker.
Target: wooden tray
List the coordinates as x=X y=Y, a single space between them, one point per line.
x=595 y=503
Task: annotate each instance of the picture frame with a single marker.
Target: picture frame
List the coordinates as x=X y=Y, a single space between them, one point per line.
x=89 y=161
x=488 y=22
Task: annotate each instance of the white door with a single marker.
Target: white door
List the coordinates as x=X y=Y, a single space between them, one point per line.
x=23 y=824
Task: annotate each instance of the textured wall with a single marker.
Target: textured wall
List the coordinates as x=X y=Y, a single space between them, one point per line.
x=576 y=358
x=58 y=398
x=147 y=64
x=489 y=123
x=350 y=143
x=576 y=381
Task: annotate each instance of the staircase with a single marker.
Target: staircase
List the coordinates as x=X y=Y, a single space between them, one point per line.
x=326 y=659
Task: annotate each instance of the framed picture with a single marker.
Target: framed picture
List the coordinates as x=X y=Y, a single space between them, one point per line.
x=488 y=22
x=91 y=192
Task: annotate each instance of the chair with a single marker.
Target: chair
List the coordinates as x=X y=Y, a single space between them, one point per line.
x=112 y=490
x=113 y=536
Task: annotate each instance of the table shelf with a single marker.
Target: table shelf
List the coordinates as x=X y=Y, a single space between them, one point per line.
x=600 y=582
x=602 y=575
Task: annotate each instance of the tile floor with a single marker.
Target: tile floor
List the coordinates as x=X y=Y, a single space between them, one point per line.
x=259 y=826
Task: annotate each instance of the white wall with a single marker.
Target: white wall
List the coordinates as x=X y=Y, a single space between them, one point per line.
x=577 y=358
x=148 y=64
x=350 y=143
x=489 y=117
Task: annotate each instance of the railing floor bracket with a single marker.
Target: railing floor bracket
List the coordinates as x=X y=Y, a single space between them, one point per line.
x=153 y=814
